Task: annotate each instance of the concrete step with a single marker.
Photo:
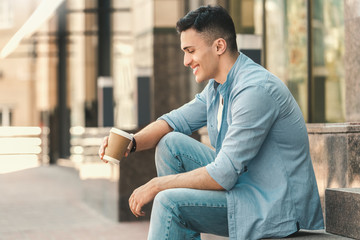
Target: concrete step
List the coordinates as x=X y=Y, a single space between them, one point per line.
x=343 y=211
x=302 y=234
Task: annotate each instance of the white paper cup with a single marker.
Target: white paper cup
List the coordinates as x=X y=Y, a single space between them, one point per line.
x=117 y=145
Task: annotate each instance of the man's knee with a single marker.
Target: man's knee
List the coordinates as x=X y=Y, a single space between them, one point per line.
x=166 y=199
x=170 y=140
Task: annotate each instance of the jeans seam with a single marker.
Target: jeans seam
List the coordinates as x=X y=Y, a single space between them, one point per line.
x=169 y=219
x=172 y=153
x=173 y=214
x=178 y=205
x=167 y=235
x=202 y=205
x=190 y=158
x=177 y=155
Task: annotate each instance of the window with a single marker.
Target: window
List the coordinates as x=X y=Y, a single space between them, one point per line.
x=247 y=16
x=5 y=116
x=305 y=49
x=6 y=14
x=327 y=63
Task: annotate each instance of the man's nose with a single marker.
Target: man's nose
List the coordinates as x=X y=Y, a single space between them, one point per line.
x=187 y=60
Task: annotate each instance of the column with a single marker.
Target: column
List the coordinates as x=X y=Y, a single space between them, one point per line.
x=352 y=59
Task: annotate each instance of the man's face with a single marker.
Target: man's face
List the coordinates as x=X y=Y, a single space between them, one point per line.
x=199 y=55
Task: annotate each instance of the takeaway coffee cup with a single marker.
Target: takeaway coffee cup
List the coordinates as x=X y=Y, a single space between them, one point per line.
x=117 y=145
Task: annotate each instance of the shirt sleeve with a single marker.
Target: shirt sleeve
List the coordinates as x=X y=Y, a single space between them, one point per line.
x=253 y=112
x=189 y=117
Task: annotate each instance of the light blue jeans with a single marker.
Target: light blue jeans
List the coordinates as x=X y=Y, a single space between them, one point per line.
x=180 y=213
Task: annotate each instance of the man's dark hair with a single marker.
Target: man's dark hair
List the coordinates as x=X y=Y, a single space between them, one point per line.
x=213 y=22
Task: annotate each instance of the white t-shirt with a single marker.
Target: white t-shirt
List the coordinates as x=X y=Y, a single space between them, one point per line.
x=220 y=111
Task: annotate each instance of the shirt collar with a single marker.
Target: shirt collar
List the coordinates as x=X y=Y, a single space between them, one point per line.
x=223 y=88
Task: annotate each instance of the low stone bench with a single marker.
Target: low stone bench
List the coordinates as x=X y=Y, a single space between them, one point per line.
x=343 y=211
x=302 y=234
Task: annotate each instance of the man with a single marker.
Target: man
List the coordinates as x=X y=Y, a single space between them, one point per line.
x=259 y=182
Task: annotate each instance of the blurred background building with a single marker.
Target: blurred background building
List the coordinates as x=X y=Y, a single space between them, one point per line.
x=102 y=63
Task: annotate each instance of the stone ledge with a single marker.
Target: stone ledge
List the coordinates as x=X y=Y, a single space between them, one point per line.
x=331 y=128
x=343 y=211
x=302 y=234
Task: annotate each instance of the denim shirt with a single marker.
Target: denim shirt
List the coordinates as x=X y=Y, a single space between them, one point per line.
x=262 y=152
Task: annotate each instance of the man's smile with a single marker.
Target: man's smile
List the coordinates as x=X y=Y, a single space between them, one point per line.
x=195 y=69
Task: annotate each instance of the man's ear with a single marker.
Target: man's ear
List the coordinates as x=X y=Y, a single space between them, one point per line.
x=221 y=46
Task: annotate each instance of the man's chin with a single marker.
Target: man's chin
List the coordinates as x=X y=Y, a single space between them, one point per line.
x=200 y=80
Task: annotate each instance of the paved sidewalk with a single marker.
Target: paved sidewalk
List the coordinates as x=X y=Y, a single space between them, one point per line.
x=45 y=203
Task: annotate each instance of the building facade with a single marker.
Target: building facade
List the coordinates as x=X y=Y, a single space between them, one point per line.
x=101 y=63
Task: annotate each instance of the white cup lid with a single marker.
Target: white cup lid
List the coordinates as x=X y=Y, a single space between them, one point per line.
x=121 y=133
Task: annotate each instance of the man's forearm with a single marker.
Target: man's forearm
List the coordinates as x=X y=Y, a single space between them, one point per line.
x=196 y=179
x=149 y=136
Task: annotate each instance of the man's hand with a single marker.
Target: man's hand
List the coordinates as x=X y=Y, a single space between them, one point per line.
x=195 y=179
x=141 y=196
x=104 y=145
x=102 y=148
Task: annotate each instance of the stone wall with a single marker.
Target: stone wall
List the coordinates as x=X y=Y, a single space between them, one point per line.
x=334 y=150
x=135 y=171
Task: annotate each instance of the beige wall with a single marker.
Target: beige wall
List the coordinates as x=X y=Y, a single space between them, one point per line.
x=28 y=85
x=167 y=12
x=17 y=82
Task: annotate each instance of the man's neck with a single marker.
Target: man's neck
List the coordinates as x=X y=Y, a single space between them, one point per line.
x=225 y=65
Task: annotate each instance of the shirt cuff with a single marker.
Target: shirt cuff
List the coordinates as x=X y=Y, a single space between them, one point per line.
x=223 y=171
x=167 y=119
x=174 y=120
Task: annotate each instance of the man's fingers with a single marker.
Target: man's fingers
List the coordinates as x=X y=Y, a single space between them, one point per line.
x=128 y=149
x=105 y=141
x=101 y=152
x=102 y=149
x=135 y=206
x=127 y=153
x=132 y=205
x=138 y=210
